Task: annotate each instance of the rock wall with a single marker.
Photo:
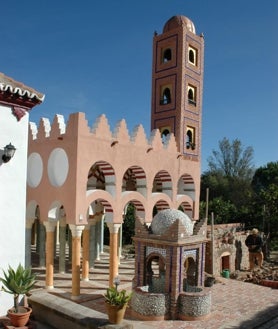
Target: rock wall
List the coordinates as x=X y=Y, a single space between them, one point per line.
x=228 y=250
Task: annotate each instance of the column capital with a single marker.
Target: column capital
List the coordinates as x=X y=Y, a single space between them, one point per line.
x=113 y=227
x=76 y=230
x=49 y=226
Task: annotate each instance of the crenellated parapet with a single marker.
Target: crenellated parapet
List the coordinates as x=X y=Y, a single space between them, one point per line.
x=77 y=124
x=138 y=136
x=101 y=128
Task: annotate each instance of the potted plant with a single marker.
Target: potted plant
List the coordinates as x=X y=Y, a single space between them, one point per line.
x=116 y=302
x=18 y=282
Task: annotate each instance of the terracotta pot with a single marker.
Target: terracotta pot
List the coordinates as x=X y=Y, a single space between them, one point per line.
x=21 y=318
x=115 y=313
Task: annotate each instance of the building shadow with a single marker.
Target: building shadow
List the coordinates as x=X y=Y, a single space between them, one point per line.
x=267 y=319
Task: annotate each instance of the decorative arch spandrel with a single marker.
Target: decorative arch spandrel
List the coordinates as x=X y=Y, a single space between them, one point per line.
x=101 y=176
x=160 y=201
x=186 y=186
x=162 y=183
x=102 y=197
x=134 y=179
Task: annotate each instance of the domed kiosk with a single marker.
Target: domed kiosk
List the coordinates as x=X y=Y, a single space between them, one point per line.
x=169 y=268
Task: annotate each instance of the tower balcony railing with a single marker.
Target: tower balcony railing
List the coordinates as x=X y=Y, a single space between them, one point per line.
x=192 y=102
x=164 y=101
x=190 y=145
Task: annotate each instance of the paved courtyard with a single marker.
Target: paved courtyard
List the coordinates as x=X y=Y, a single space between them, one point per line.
x=235 y=304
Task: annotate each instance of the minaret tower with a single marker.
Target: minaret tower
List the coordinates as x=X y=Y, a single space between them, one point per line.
x=177 y=84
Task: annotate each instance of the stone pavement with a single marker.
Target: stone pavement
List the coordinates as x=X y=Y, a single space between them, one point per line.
x=235 y=304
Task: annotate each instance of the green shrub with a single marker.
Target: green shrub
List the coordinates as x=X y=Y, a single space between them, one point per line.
x=115 y=297
x=18 y=282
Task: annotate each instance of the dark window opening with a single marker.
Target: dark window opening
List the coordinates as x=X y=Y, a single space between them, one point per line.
x=166 y=97
x=155 y=274
x=190 y=275
x=167 y=55
x=191 y=56
x=164 y=135
x=191 y=97
x=190 y=140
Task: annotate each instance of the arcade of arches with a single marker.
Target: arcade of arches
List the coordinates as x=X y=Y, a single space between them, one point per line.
x=69 y=203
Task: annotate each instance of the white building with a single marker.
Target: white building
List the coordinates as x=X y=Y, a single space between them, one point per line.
x=16 y=100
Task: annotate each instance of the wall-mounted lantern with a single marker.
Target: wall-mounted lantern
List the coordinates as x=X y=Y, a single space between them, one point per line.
x=9 y=151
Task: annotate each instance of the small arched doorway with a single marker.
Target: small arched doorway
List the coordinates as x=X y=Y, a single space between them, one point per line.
x=155 y=273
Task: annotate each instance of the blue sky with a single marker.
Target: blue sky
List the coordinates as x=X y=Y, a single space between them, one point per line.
x=96 y=57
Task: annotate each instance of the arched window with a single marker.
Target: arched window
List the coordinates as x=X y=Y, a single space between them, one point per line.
x=167 y=55
x=164 y=135
x=166 y=96
x=191 y=94
x=190 y=138
x=191 y=56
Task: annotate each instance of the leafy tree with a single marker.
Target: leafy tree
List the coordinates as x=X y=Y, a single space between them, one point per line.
x=269 y=197
x=217 y=183
x=129 y=225
x=232 y=160
x=234 y=189
x=229 y=181
x=265 y=185
x=264 y=176
x=224 y=211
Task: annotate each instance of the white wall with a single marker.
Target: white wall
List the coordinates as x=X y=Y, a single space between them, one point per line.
x=12 y=195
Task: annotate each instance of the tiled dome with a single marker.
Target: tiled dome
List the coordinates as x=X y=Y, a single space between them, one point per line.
x=165 y=218
x=177 y=21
